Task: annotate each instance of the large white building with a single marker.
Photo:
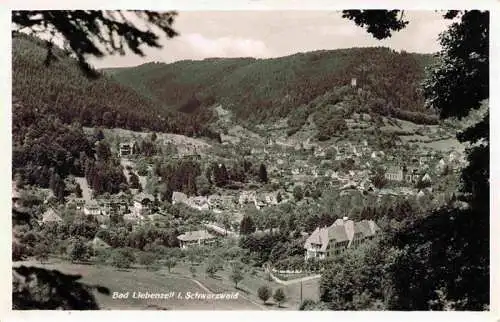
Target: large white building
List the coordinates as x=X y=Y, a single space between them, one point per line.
x=341 y=235
x=193 y=238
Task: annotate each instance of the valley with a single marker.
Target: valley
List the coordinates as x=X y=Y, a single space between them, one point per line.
x=274 y=178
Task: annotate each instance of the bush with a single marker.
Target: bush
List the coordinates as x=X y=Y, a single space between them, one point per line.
x=102 y=255
x=214 y=265
x=171 y=262
x=146 y=258
x=237 y=273
x=41 y=252
x=264 y=293
x=279 y=296
x=78 y=251
x=307 y=305
x=298 y=194
x=122 y=258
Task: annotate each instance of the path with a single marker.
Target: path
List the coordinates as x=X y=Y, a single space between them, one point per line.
x=86 y=191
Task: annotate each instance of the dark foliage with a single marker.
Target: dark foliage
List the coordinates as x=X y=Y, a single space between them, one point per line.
x=247 y=225
x=459 y=81
x=379 y=23
x=40 y=289
x=60 y=91
x=95 y=32
x=267 y=89
x=444 y=253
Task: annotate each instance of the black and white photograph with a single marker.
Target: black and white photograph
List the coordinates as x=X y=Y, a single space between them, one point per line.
x=250 y=160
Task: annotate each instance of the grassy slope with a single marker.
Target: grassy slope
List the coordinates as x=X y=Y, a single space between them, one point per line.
x=179 y=280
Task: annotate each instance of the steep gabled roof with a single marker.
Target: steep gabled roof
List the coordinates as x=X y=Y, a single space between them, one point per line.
x=337 y=233
x=92 y=204
x=50 y=216
x=179 y=197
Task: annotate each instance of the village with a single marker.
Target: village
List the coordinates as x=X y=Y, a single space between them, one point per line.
x=311 y=160
x=347 y=167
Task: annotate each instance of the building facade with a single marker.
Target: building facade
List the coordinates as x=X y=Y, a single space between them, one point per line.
x=343 y=234
x=194 y=238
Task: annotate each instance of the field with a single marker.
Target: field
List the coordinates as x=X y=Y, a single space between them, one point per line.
x=179 y=280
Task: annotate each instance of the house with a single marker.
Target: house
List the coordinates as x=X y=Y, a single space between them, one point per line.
x=260 y=202
x=133 y=217
x=91 y=208
x=80 y=203
x=441 y=166
x=179 y=197
x=394 y=174
x=247 y=197
x=423 y=160
x=411 y=175
x=341 y=235
x=143 y=203
x=126 y=149
x=200 y=203
x=219 y=203
x=192 y=238
x=50 y=216
x=271 y=198
x=426 y=178
x=97 y=244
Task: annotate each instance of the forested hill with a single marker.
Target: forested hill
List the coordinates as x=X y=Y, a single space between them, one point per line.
x=61 y=91
x=258 y=90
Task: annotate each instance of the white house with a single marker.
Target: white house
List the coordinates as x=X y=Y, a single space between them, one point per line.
x=342 y=234
x=50 y=216
x=91 y=208
x=192 y=238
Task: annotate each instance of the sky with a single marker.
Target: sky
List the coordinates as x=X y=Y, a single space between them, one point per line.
x=265 y=34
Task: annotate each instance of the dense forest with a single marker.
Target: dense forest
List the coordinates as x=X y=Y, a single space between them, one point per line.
x=174 y=97
x=265 y=89
x=61 y=90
